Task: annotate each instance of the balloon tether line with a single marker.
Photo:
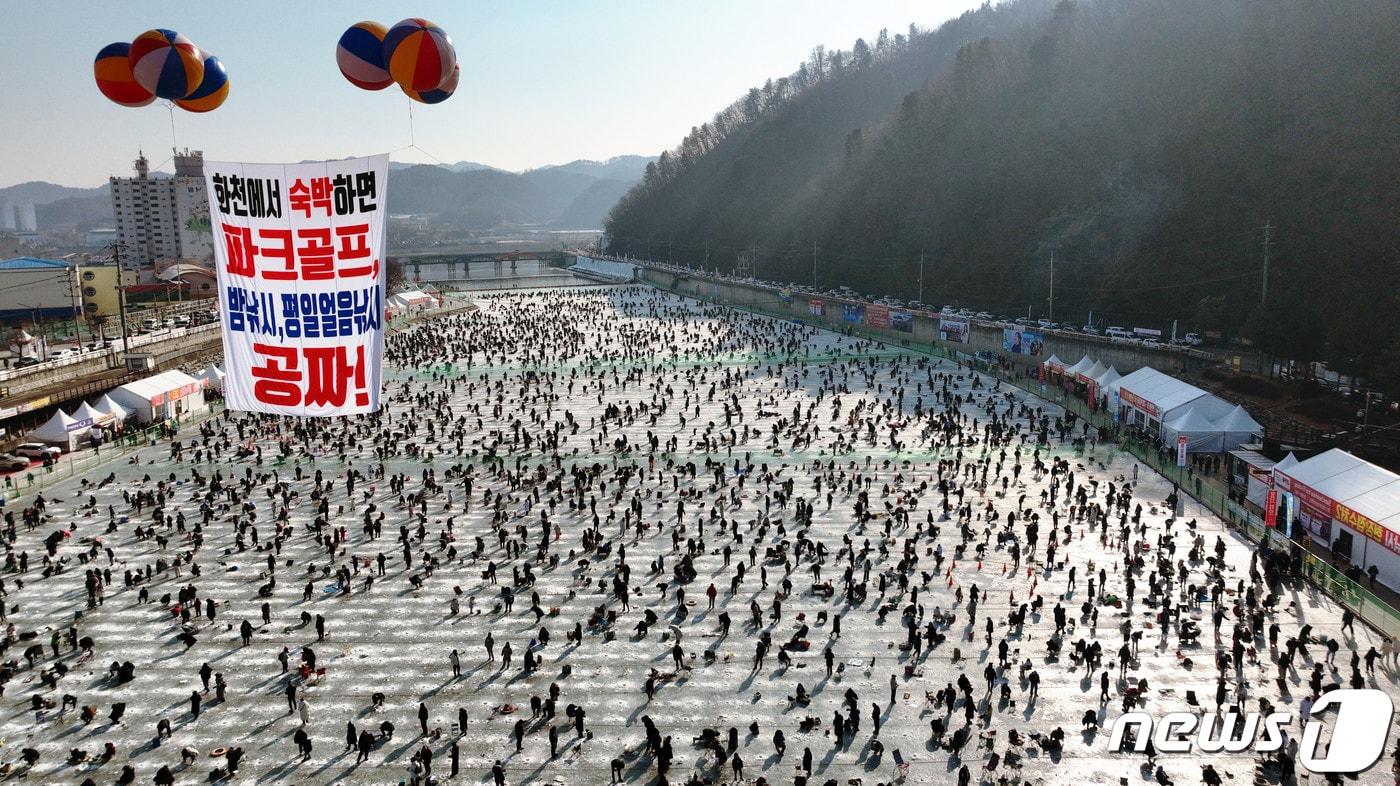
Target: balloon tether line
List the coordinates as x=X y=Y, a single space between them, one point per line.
x=413 y=141
x=170 y=107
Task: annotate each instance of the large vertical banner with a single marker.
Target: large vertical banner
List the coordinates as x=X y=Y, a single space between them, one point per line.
x=298 y=251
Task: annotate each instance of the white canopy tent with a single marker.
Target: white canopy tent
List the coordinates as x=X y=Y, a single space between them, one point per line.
x=1350 y=505
x=1238 y=427
x=60 y=430
x=1107 y=378
x=1085 y=363
x=107 y=405
x=1054 y=362
x=212 y=376
x=168 y=394
x=1202 y=436
x=86 y=411
x=412 y=299
x=1093 y=372
x=1148 y=399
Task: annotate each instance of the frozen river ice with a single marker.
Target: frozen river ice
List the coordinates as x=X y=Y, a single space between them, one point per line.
x=395 y=638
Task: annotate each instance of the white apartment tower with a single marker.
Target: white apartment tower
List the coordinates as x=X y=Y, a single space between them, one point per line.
x=163 y=217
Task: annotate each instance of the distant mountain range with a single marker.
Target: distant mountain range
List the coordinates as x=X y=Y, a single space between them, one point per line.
x=463 y=195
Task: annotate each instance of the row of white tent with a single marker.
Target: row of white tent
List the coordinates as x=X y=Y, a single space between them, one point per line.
x=70 y=431
x=1209 y=423
x=1086 y=369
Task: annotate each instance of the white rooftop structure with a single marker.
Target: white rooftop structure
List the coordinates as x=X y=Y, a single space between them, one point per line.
x=1161 y=397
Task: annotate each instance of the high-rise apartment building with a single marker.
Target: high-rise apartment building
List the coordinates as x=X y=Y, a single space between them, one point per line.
x=163 y=217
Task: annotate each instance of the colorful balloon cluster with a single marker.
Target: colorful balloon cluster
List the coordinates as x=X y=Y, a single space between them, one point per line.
x=415 y=53
x=161 y=64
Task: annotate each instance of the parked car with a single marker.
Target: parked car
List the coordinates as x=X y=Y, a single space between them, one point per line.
x=1151 y=342
x=1192 y=339
x=983 y=315
x=55 y=354
x=27 y=362
x=12 y=463
x=1090 y=330
x=37 y=450
x=1118 y=332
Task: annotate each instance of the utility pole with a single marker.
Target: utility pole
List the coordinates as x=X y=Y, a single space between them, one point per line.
x=73 y=284
x=921 y=276
x=814 y=263
x=1051 y=316
x=1268 y=241
x=121 y=297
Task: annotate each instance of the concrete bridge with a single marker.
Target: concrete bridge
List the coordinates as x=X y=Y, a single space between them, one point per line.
x=445 y=266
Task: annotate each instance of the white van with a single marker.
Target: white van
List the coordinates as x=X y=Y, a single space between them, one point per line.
x=1117 y=332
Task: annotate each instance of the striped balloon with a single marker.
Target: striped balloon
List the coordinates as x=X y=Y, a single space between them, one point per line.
x=419 y=55
x=360 y=55
x=212 y=90
x=112 y=70
x=440 y=93
x=166 y=63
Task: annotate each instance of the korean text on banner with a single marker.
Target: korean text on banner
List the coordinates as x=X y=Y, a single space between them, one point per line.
x=298 y=252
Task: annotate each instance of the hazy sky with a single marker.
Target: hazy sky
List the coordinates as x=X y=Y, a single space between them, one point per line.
x=542 y=82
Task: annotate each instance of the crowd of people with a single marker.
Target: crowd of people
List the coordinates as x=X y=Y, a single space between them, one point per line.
x=608 y=533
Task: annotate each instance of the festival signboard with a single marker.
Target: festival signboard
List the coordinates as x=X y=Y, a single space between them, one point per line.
x=877 y=315
x=816 y=307
x=903 y=321
x=958 y=330
x=298 y=252
x=853 y=312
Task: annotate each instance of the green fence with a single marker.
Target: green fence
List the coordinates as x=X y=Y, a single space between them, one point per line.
x=1367 y=606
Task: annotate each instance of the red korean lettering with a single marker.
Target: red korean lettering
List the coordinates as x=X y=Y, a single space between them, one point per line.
x=278 y=381
x=316 y=255
x=239 y=248
x=331 y=373
x=354 y=245
x=300 y=197
x=282 y=251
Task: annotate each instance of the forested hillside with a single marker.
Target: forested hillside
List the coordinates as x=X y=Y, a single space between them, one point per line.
x=1146 y=144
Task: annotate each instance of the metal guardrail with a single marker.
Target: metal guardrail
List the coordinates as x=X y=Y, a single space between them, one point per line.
x=63 y=362
x=109 y=354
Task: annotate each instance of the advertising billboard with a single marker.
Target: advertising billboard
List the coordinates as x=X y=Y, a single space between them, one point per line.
x=955 y=329
x=1022 y=342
